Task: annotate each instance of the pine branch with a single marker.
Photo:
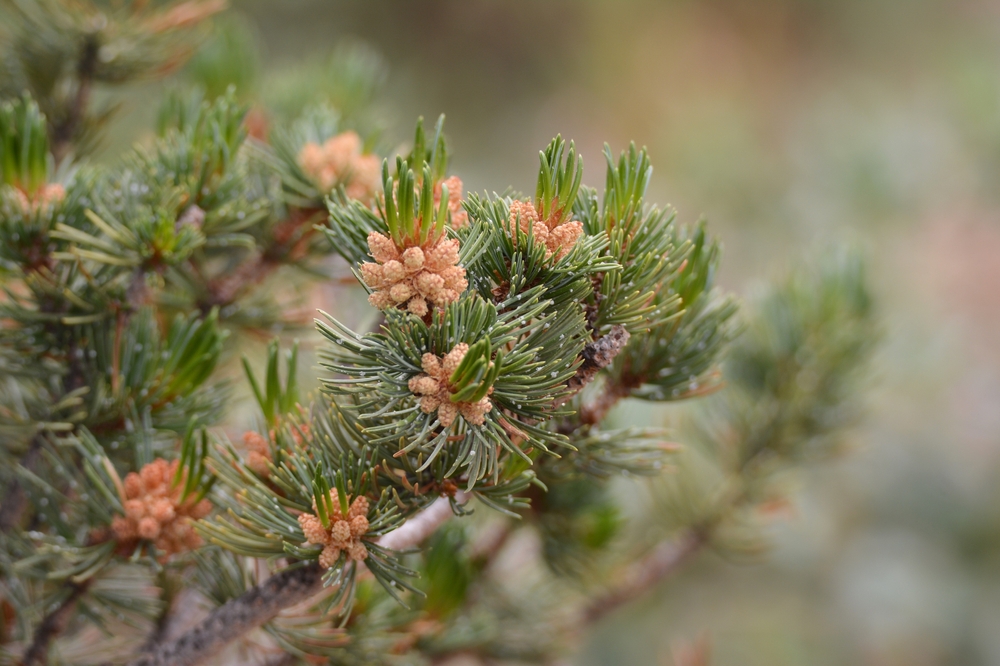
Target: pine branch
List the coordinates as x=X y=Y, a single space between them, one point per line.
x=12 y=504
x=228 y=622
x=414 y=531
x=53 y=624
x=178 y=604
x=263 y=602
x=64 y=132
x=597 y=355
x=663 y=561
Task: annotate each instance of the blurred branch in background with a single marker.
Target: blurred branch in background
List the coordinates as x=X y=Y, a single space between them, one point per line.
x=59 y=51
x=794 y=385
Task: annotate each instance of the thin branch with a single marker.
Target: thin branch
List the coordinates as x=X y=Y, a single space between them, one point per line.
x=263 y=602
x=14 y=499
x=665 y=559
x=282 y=660
x=52 y=625
x=597 y=355
x=258 y=605
x=668 y=556
x=421 y=526
x=180 y=605
x=65 y=132
x=594 y=412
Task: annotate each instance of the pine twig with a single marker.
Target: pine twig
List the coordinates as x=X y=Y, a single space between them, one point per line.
x=421 y=526
x=52 y=625
x=665 y=559
x=12 y=504
x=171 y=622
x=597 y=355
x=255 y=607
x=669 y=555
x=64 y=132
x=263 y=602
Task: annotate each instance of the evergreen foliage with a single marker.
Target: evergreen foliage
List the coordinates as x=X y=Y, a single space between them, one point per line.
x=510 y=327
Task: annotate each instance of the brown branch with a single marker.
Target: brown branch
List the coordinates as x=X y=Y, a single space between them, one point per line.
x=64 y=132
x=14 y=499
x=282 y=660
x=53 y=624
x=421 y=526
x=258 y=605
x=597 y=355
x=263 y=602
x=594 y=412
x=180 y=604
x=667 y=556
x=665 y=559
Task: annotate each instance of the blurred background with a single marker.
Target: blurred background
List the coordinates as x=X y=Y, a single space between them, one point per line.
x=792 y=126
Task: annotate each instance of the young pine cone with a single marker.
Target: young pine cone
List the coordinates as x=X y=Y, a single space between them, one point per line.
x=339 y=161
x=45 y=197
x=155 y=512
x=414 y=278
x=459 y=218
x=258 y=453
x=436 y=393
x=557 y=236
x=344 y=533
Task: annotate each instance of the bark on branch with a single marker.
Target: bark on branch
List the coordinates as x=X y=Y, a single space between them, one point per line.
x=597 y=355
x=263 y=602
x=12 y=504
x=52 y=625
x=665 y=559
x=255 y=607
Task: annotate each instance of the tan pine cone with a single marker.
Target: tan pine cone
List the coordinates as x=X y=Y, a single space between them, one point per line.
x=329 y=556
x=558 y=237
x=459 y=218
x=339 y=161
x=344 y=533
x=435 y=391
x=46 y=196
x=258 y=453
x=313 y=528
x=413 y=278
x=340 y=533
x=154 y=511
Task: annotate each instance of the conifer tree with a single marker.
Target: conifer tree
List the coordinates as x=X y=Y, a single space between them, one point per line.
x=367 y=523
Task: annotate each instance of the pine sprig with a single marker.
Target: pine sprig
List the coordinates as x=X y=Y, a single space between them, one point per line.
x=25 y=162
x=60 y=50
x=411 y=209
x=511 y=326
x=678 y=357
x=534 y=357
x=514 y=263
x=559 y=178
x=274 y=399
x=642 y=240
x=261 y=517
